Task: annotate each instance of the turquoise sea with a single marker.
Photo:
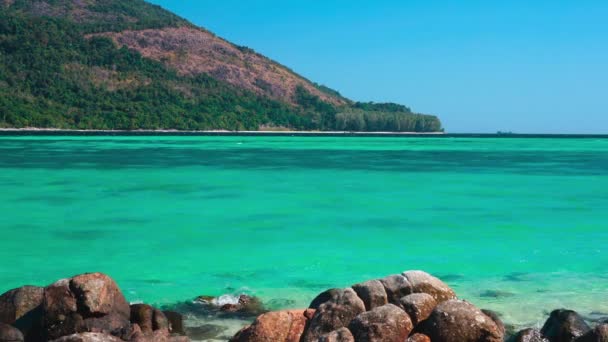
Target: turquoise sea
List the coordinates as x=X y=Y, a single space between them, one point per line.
x=518 y=225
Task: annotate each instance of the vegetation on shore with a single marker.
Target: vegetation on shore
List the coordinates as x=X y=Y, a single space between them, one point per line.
x=53 y=74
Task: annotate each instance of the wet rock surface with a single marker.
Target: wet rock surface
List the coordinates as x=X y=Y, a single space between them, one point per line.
x=385 y=323
x=564 y=326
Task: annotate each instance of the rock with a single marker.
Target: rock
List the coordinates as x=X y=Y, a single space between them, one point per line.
x=250 y=305
x=286 y=325
x=528 y=335
x=85 y=303
x=459 y=321
x=418 y=306
x=9 y=333
x=396 y=287
x=98 y=294
x=323 y=297
x=340 y=335
x=496 y=294
x=598 y=334
x=88 y=337
x=419 y=338
x=334 y=314
x=148 y=318
x=16 y=303
x=496 y=318
x=564 y=326
x=385 y=323
x=372 y=293
x=422 y=282
x=176 y=322
x=22 y=308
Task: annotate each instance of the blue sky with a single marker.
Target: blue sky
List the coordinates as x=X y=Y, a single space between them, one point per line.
x=482 y=66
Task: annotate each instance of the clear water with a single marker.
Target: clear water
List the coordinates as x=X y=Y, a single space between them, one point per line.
x=284 y=218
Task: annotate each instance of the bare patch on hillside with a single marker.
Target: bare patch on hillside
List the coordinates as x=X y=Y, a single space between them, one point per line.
x=192 y=51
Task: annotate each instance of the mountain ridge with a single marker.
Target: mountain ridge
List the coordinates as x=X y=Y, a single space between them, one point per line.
x=152 y=69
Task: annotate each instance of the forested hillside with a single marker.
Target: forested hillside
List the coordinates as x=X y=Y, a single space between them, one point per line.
x=127 y=64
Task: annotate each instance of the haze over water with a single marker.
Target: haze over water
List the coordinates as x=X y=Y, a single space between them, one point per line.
x=517 y=225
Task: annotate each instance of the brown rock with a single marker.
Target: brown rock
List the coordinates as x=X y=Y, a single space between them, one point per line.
x=459 y=321
x=422 y=282
x=372 y=293
x=496 y=318
x=9 y=333
x=176 y=322
x=419 y=338
x=22 y=308
x=16 y=303
x=340 y=335
x=323 y=297
x=598 y=334
x=88 y=337
x=85 y=303
x=396 y=287
x=334 y=314
x=418 y=306
x=387 y=323
x=528 y=335
x=287 y=326
x=564 y=326
x=98 y=294
x=142 y=314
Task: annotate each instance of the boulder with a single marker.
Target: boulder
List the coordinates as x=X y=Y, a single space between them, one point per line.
x=372 y=293
x=22 y=308
x=528 y=335
x=149 y=319
x=85 y=303
x=422 y=282
x=418 y=306
x=396 y=287
x=284 y=326
x=564 y=326
x=340 y=335
x=334 y=314
x=387 y=323
x=496 y=318
x=176 y=322
x=419 y=338
x=16 y=303
x=88 y=337
x=460 y=321
x=9 y=333
x=598 y=334
x=323 y=297
x=97 y=294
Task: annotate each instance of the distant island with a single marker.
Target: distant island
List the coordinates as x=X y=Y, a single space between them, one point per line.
x=131 y=65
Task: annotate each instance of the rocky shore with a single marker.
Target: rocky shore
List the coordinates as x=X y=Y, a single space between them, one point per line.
x=409 y=307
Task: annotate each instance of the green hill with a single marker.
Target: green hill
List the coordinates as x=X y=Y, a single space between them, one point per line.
x=127 y=64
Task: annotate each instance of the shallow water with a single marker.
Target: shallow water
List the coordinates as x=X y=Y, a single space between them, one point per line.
x=512 y=224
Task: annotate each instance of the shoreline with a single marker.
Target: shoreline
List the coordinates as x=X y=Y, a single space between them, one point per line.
x=33 y=131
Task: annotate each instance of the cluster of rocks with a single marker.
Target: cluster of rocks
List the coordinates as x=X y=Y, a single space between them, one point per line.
x=85 y=308
x=409 y=307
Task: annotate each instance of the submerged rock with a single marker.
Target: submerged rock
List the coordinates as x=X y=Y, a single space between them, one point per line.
x=205 y=332
x=496 y=294
x=564 y=326
x=229 y=306
x=387 y=323
x=460 y=321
